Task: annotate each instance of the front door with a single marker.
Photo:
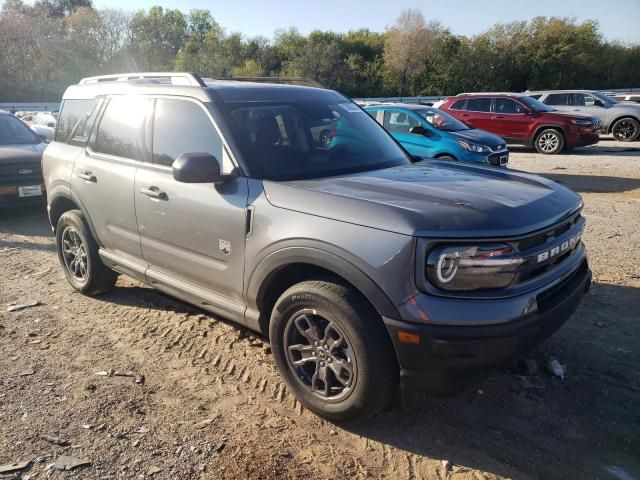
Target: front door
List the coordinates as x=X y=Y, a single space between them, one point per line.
x=398 y=123
x=510 y=119
x=192 y=232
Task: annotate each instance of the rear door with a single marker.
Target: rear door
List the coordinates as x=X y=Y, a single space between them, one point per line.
x=477 y=114
x=103 y=175
x=193 y=233
x=559 y=101
x=509 y=120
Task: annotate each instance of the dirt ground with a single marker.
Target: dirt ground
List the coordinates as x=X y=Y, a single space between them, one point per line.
x=213 y=406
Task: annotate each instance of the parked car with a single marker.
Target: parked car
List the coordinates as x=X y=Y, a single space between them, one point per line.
x=361 y=264
x=44 y=124
x=430 y=132
x=621 y=119
x=20 y=158
x=520 y=119
x=627 y=97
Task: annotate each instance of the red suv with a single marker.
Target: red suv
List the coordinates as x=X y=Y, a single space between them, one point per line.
x=523 y=120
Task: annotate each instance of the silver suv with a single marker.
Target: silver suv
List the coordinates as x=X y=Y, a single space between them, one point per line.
x=364 y=266
x=621 y=119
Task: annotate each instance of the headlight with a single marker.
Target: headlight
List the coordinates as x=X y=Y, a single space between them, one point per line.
x=582 y=122
x=473 y=147
x=467 y=267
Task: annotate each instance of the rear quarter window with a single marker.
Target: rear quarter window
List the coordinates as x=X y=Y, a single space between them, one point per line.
x=74 y=120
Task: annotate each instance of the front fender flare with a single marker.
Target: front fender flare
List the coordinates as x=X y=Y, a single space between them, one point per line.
x=272 y=263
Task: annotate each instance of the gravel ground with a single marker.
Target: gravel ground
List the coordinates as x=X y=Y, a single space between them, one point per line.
x=213 y=406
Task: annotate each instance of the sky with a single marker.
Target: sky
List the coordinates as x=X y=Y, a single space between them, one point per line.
x=462 y=17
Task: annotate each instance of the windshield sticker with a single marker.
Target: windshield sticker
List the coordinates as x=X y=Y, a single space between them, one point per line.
x=350 y=107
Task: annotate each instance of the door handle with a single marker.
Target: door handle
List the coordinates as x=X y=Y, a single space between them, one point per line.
x=88 y=176
x=154 y=192
x=498 y=116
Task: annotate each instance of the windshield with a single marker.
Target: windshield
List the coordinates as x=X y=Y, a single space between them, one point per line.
x=604 y=98
x=298 y=140
x=442 y=120
x=535 y=104
x=14 y=132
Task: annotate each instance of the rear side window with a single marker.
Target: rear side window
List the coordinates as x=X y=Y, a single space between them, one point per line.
x=182 y=126
x=121 y=129
x=479 y=105
x=557 y=99
x=75 y=121
x=458 y=105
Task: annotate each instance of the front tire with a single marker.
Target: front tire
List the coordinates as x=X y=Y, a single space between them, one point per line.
x=549 y=142
x=78 y=255
x=333 y=351
x=626 y=130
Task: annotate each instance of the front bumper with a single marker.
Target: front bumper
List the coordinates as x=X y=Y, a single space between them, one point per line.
x=446 y=356
x=582 y=139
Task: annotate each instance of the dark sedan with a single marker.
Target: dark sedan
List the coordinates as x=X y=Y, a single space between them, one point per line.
x=20 y=163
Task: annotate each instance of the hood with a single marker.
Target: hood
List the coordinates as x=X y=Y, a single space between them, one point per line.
x=21 y=153
x=482 y=137
x=432 y=198
x=627 y=107
x=572 y=115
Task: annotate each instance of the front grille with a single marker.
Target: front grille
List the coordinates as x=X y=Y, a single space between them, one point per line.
x=546 y=250
x=553 y=297
x=10 y=176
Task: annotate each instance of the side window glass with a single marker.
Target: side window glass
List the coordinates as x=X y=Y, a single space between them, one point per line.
x=121 y=129
x=73 y=121
x=479 y=104
x=557 y=99
x=506 y=106
x=458 y=105
x=398 y=122
x=535 y=97
x=182 y=126
x=588 y=100
x=578 y=100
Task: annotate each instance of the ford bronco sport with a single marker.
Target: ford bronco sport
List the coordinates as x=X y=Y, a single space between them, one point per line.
x=365 y=267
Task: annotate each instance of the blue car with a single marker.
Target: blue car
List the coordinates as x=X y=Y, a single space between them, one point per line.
x=428 y=132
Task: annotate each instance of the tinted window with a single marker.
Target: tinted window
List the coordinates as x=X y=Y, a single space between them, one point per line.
x=458 y=105
x=308 y=139
x=121 y=130
x=14 y=132
x=536 y=96
x=479 y=104
x=506 y=105
x=181 y=126
x=73 y=119
x=557 y=99
x=398 y=122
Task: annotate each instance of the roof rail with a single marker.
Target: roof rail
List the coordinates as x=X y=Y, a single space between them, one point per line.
x=307 y=82
x=176 y=78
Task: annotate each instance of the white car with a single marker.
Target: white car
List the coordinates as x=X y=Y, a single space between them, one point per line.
x=44 y=125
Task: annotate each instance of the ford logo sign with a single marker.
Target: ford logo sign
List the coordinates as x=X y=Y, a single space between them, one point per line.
x=25 y=171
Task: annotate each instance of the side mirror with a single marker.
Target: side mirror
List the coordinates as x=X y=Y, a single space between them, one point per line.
x=419 y=130
x=51 y=125
x=44 y=138
x=197 y=168
x=598 y=103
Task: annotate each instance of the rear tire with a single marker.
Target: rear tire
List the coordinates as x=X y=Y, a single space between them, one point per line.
x=626 y=130
x=549 y=142
x=78 y=255
x=333 y=351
